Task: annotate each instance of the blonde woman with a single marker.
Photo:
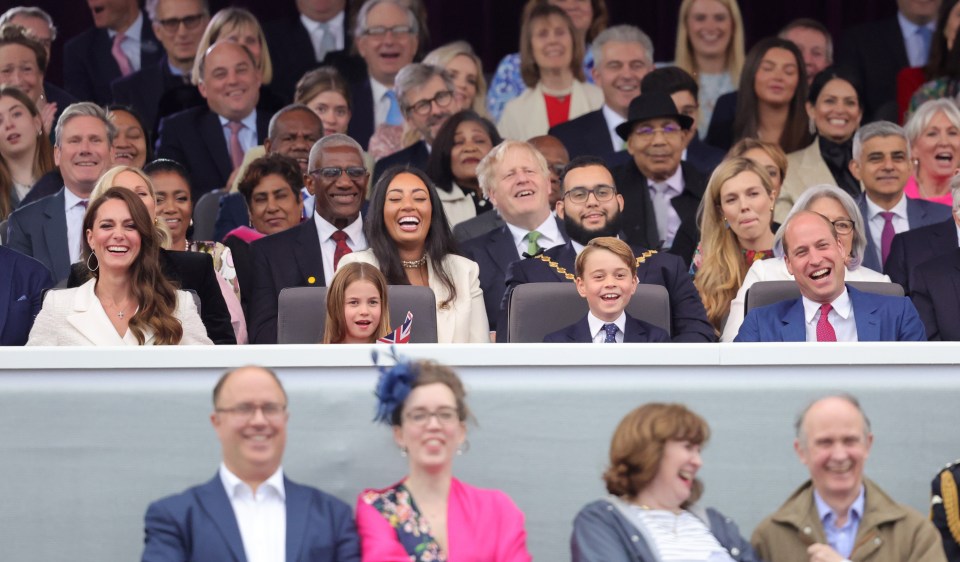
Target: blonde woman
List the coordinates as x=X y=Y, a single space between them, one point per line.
x=466 y=70
x=239 y=26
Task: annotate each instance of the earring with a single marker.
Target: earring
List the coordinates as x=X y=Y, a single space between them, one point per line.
x=92 y=269
x=812 y=126
x=725 y=223
x=191 y=221
x=403 y=452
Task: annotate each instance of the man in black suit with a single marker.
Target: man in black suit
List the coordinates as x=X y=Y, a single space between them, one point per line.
x=911 y=248
x=179 y=25
x=589 y=218
x=427 y=100
x=515 y=178
x=304 y=255
x=661 y=194
x=386 y=37
x=210 y=141
x=878 y=50
x=623 y=56
x=936 y=294
x=121 y=42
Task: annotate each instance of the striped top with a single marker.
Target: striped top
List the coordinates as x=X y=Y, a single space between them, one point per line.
x=680 y=537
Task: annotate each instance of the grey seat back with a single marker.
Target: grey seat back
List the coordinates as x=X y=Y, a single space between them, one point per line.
x=765 y=293
x=205 y=215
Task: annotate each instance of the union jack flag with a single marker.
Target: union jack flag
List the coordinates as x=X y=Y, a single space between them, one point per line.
x=401 y=334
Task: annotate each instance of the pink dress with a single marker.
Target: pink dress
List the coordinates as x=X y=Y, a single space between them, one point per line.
x=912 y=190
x=482 y=526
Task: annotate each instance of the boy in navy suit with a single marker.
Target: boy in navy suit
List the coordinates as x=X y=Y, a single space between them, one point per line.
x=607 y=277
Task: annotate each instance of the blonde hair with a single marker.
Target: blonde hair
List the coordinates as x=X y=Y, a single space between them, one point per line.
x=441 y=56
x=335 y=331
x=723 y=269
x=231 y=18
x=106 y=181
x=684 y=56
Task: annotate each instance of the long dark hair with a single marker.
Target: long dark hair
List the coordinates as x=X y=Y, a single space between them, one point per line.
x=943 y=62
x=437 y=246
x=796 y=134
x=438 y=166
x=155 y=295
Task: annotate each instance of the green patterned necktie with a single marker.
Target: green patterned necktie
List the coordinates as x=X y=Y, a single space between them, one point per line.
x=532 y=246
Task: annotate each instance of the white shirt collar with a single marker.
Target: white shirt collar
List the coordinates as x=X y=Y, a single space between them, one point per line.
x=909 y=28
x=353 y=230
x=70 y=199
x=549 y=233
x=613 y=120
x=132 y=32
x=334 y=23
x=250 y=121
x=900 y=209
x=235 y=487
x=958 y=232
x=379 y=90
x=842 y=305
x=596 y=325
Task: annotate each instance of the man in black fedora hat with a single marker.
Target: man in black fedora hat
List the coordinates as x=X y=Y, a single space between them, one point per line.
x=660 y=193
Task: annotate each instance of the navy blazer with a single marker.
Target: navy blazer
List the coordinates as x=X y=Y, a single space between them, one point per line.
x=875 y=52
x=916 y=246
x=199 y=525
x=415 y=155
x=720 y=130
x=231 y=213
x=634 y=331
x=362 y=119
x=89 y=66
x=878 y=318
x=477 y=226
x=494 y=252
x=688 y=318
x=919 y=213
x=39 y=230
x=936 y=294
x=705 y=158
x=22 y=283
x=194 y=137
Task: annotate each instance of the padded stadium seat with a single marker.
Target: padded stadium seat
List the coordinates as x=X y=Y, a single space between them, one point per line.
x=765 y=293
x=537 y=309
x=205 y=215
x=302 y=313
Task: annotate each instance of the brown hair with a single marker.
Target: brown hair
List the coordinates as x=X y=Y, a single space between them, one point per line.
x=431 y=372
x=42 y=154
x=637 y=446
x=529 y=70
x=156 y=296
x=613 y=245
x=15 y=34
x=746 y=144
x=320 y=80
x=347 y=274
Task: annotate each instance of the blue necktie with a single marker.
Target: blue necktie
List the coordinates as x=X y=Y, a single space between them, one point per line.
x=394 y=117
x=611 y=331
x=926 y=36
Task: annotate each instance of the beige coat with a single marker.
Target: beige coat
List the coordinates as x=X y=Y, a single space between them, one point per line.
x=888 y=532
x=525 y=116
x=805 y=168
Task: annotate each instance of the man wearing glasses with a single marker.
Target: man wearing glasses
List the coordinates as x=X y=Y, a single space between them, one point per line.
x=308 y=254
x=179 y=25
x=250 y=510
x=660 y=193
x=427 y=101
x=591 y=207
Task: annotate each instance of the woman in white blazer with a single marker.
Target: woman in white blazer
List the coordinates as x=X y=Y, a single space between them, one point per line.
x=551 y=64
x=128 y=301
x=411 y=243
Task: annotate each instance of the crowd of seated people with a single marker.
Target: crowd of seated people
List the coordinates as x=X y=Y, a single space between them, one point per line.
x=283 y=149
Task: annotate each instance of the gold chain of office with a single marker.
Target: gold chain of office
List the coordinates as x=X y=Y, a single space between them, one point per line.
x=562 y=271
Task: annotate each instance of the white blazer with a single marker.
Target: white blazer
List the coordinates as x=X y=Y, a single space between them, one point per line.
x=525 y=116
x=76 y=317
x=805 y=168
x=465 y=319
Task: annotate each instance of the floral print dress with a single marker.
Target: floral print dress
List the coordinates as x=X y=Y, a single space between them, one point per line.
x=398 y=508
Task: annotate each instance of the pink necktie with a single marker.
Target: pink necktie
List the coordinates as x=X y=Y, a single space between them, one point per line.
x=122 y=61
x=824 y=327
x=886 y=235
x=236 y=151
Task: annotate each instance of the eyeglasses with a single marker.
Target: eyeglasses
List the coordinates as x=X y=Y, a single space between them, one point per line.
x=581 y=194
x=379 y=30
x=445 y=416
x=333 y=172
x=423 y=107
x=172 y=25
x=647 y=134
x=843 y=226
x=246 y=411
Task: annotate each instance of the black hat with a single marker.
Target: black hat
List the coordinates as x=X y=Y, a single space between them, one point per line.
x=652 y=105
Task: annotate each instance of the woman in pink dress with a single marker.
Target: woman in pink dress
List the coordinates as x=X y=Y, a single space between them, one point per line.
x=430 y=515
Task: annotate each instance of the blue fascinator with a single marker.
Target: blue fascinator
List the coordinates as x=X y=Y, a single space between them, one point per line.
x=395 y=384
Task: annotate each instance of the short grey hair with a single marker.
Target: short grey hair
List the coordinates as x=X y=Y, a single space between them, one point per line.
x=487 y=168
x=151 y=8
x=272 y=128
x=845 y=396
x=30 y=12
x=924 y=114
x=333 y=141
x=84 y=109
x=621 y=34
x=877 y=129
x=371 y=4
x=817 y=192
x=414 y=76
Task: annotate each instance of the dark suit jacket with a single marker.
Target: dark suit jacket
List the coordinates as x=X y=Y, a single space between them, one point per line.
x=720 y=131
x=190 y=271
x=875 y=53
x=232 y=213
x=362 y=119
x=89 y=68
x=936 y=294
x=477 y=226
x=587 y=135
x=688 y=319
x=144 y=89
x=919 y=213
x=22 y=283
x=494 y=252
x=62 y=98
x=39 y=230
x=705 y=158
x=199 y=524
x=878 y=318
x=415 y=155
x=48 y=184
x=639 y=220
x=293 y=53
x=634 y=331
x=194 y=137
x=915 y=246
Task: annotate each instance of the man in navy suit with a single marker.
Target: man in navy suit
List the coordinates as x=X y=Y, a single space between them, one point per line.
x=881 y=161
x=515 y=178
x=303 y=256
x=828 y=310
x=623 y=56
x=914 y=247
x=94 y=59
x=49 y=229
x=936 y=294
x=250 y=510
x=22 y=283
x=210 y=141
x=592 y=218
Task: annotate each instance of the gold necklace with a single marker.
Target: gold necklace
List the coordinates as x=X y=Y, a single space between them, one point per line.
x=415 y=264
